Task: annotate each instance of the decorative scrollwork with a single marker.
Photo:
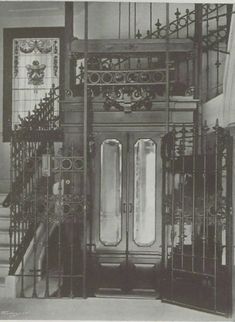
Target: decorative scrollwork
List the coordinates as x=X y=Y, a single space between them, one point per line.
x=128 y=99
x=127 y=77
x=44 y=46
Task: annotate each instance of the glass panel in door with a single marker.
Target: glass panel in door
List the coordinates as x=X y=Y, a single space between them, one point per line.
x=144 y=192
x=110 y=192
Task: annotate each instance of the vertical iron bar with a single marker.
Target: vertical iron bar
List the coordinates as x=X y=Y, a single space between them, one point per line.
x=187 y=23
x=119 y=19
x=72 y=271
x=150 y=19
x=207 y=52
x=173 y=208
x=204 y=196
x=198 y=43
x=23 y=204
x=129 y=30
x=164 y=205
x=177 y=22
x=60 y=192
x=195 y=133
x=71 y=246
x=85 y=152
x=12 y=206
x=150 y=32
x=34 y=191
x=217 y=52
x=216 y=210
x=68 y=38
x=47 y=232
x=134 y=19
x=187 y=70
x=229 y=219
x=167 y=68
x=182 y=195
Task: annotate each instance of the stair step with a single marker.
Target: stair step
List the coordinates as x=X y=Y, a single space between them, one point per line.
x=4 y=252
x=4 y=222
x=4 y=268
x=4 y=212
x=4 y=236
x=2 y=281
x=2 y=197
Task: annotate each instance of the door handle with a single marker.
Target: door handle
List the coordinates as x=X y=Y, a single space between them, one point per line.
x=124 y=207
x=130 y=207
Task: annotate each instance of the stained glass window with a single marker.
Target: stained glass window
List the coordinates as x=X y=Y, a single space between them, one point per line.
x=35 y=65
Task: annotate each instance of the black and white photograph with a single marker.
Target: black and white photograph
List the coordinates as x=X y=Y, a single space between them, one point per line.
x=117 y=161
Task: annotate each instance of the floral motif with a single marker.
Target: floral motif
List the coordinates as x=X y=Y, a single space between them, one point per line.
x=43 y=46
x=35 y=73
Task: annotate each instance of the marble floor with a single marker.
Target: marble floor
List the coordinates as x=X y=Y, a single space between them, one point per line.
x=100 y=309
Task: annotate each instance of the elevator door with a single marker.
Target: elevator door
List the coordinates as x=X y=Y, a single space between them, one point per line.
x=127 y=212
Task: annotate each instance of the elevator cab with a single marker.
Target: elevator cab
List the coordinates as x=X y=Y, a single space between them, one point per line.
x=126 y=224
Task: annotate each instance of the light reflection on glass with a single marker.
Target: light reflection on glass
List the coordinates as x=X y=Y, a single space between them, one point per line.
x=144 y=194
x=111 y=186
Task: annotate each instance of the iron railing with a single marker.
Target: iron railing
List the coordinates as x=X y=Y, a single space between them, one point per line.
x=29 y=141
x=215 y=28
x=197 y=218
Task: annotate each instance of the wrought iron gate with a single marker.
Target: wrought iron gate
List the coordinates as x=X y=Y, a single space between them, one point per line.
x=46 y=225
x=197 y=218
x=47 y=234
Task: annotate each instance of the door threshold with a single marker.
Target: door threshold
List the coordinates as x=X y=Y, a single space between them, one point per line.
x=134 y=294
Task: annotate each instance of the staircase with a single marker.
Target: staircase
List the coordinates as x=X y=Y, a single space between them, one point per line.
x=4 y=243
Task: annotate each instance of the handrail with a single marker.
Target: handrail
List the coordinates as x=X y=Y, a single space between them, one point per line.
x=30 y=139
x=181 y=22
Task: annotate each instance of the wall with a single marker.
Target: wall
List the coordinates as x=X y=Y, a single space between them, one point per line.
x=15 y=15
x=107 y=14
x=213 y=110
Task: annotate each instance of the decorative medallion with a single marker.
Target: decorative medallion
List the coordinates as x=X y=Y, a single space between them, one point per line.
x=35 y=73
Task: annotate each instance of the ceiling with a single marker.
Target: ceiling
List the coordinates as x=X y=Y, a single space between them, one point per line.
x=30 y=8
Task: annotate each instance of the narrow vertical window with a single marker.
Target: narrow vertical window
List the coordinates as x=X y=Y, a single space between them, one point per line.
x=144 y=193
x=35 y=63
x=111 y=186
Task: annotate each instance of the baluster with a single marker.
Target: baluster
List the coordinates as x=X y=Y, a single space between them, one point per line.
x=194 y=191
x=177 y=14
x=23 y=215
x=182 y=183
x=138 y=35
x=205 y=219
x=218 y=63
x=158 y=25
x=12 y=205
x=187 y=22
x=207 y=53
x=60 y=231
x=173 y=208
x=216 y=173
x=119 y=19
x=135 y=19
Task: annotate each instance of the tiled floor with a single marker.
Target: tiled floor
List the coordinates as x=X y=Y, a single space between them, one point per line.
x=108 y=309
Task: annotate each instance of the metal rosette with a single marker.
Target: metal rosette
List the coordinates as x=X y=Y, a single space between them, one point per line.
x=72 y=206
x=57 y=208
x=66 y=164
